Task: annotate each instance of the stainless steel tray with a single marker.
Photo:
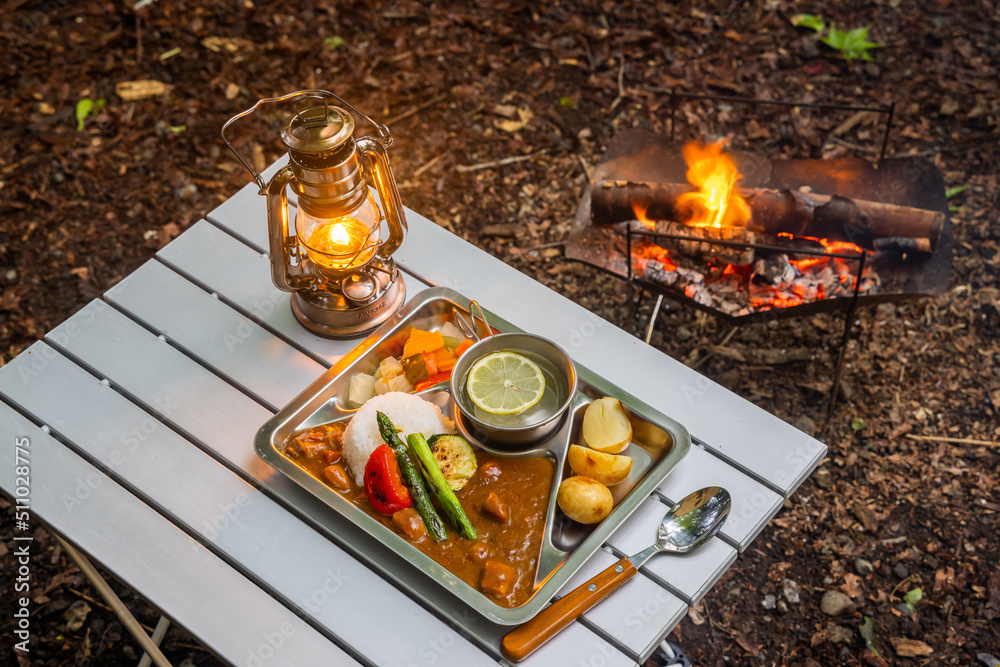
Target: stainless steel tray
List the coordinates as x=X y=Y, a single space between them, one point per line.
x=658 y=444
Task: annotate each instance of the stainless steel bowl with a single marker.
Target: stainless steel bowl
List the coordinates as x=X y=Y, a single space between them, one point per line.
x=533 y=432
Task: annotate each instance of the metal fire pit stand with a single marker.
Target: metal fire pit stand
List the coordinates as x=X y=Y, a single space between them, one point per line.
x=662 y=291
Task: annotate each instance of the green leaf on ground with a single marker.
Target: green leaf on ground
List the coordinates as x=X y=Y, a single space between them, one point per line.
x=83 y=109
x=808 y=21
x=867 y=629
x=857 y=424
x=333 y=42
x=957 y=190
x=912 y=598
x=567 y=102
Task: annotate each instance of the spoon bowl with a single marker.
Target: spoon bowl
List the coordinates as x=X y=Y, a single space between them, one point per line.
x=687 y=525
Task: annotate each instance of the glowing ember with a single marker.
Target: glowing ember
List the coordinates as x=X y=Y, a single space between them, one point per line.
x=716 y=203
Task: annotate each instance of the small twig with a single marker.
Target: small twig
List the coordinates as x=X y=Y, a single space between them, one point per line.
x=415 y=110
x=462 y=168
x=893 y=593
x=725 y=340
x=853 y=147
x=621 y=87
x=428 y=165
x=588 y=171
x=90 y=600
x=103 y=606
x=954 y=441
x=542 y=246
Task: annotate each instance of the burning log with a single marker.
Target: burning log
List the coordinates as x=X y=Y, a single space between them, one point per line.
x=697 y=248
x=869 y=224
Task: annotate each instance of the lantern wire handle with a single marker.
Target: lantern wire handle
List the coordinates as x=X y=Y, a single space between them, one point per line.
x=384 y=136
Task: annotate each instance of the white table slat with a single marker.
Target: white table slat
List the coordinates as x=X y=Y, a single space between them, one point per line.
x=689 y=575
x=242 y=276
x=766 y=448
x=245 y=216
x=224 y=421
x=191 y=585
x=241 y=522
x=194 y=401
x=637 y=616
x=753 y=503
x=240 y=349
x=575 y=645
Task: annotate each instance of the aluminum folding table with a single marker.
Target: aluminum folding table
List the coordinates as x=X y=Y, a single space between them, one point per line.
x=141 y=410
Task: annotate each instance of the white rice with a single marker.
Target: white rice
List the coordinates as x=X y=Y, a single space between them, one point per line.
x=407 y=412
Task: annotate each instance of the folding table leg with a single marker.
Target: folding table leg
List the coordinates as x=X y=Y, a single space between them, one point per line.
x=126 y=617
x=158 y=633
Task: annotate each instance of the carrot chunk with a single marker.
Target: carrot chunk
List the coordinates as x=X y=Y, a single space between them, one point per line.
x=422 y=341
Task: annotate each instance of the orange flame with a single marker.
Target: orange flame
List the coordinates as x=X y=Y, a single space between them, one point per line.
x=639 y=208
x=716 y=203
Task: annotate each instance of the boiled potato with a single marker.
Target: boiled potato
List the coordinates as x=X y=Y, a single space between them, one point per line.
x=606 y=427
x=584 y=500
x=608 y=469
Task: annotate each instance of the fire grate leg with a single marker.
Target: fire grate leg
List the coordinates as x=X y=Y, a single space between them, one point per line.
x=852 y=308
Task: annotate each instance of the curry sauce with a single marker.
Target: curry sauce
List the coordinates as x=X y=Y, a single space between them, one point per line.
x=506 y=500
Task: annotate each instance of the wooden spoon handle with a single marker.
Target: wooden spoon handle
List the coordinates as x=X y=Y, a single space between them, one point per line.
x=518 y=644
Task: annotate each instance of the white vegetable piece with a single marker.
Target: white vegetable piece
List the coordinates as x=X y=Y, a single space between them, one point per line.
x=390 y=367
x=362 y=388
x=400 y=383
x=449 y=330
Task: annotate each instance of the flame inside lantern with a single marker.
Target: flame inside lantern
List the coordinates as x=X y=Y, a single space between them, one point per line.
x=341 y=244
x=716 y=202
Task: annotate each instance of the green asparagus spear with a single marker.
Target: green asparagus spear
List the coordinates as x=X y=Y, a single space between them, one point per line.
x=422 y=501
x=439 y=486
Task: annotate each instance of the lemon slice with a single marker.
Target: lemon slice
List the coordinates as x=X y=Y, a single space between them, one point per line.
x=505 y=383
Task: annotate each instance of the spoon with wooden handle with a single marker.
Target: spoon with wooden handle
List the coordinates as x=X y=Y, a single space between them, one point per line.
x=685 y=527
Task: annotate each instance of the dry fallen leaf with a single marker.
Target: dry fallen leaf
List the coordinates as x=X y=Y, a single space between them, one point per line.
x=910 y=648
x=852 y=585
x=524 y=116
x=234 y=46
x=137 y=90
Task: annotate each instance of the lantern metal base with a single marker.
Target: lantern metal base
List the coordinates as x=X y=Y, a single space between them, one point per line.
x=333 y=316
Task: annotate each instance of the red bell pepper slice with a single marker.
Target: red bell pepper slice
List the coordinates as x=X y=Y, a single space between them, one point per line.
x=384 y=483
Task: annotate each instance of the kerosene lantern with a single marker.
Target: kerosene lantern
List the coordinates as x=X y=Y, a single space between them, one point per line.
x=334 y=259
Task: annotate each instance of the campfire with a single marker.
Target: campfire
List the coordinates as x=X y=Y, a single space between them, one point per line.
x=744 y=236
x=736 y=280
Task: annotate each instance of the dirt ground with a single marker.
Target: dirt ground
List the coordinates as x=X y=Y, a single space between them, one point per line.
x=901 y=518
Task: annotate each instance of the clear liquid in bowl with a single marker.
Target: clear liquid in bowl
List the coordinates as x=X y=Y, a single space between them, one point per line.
x=552 y=399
